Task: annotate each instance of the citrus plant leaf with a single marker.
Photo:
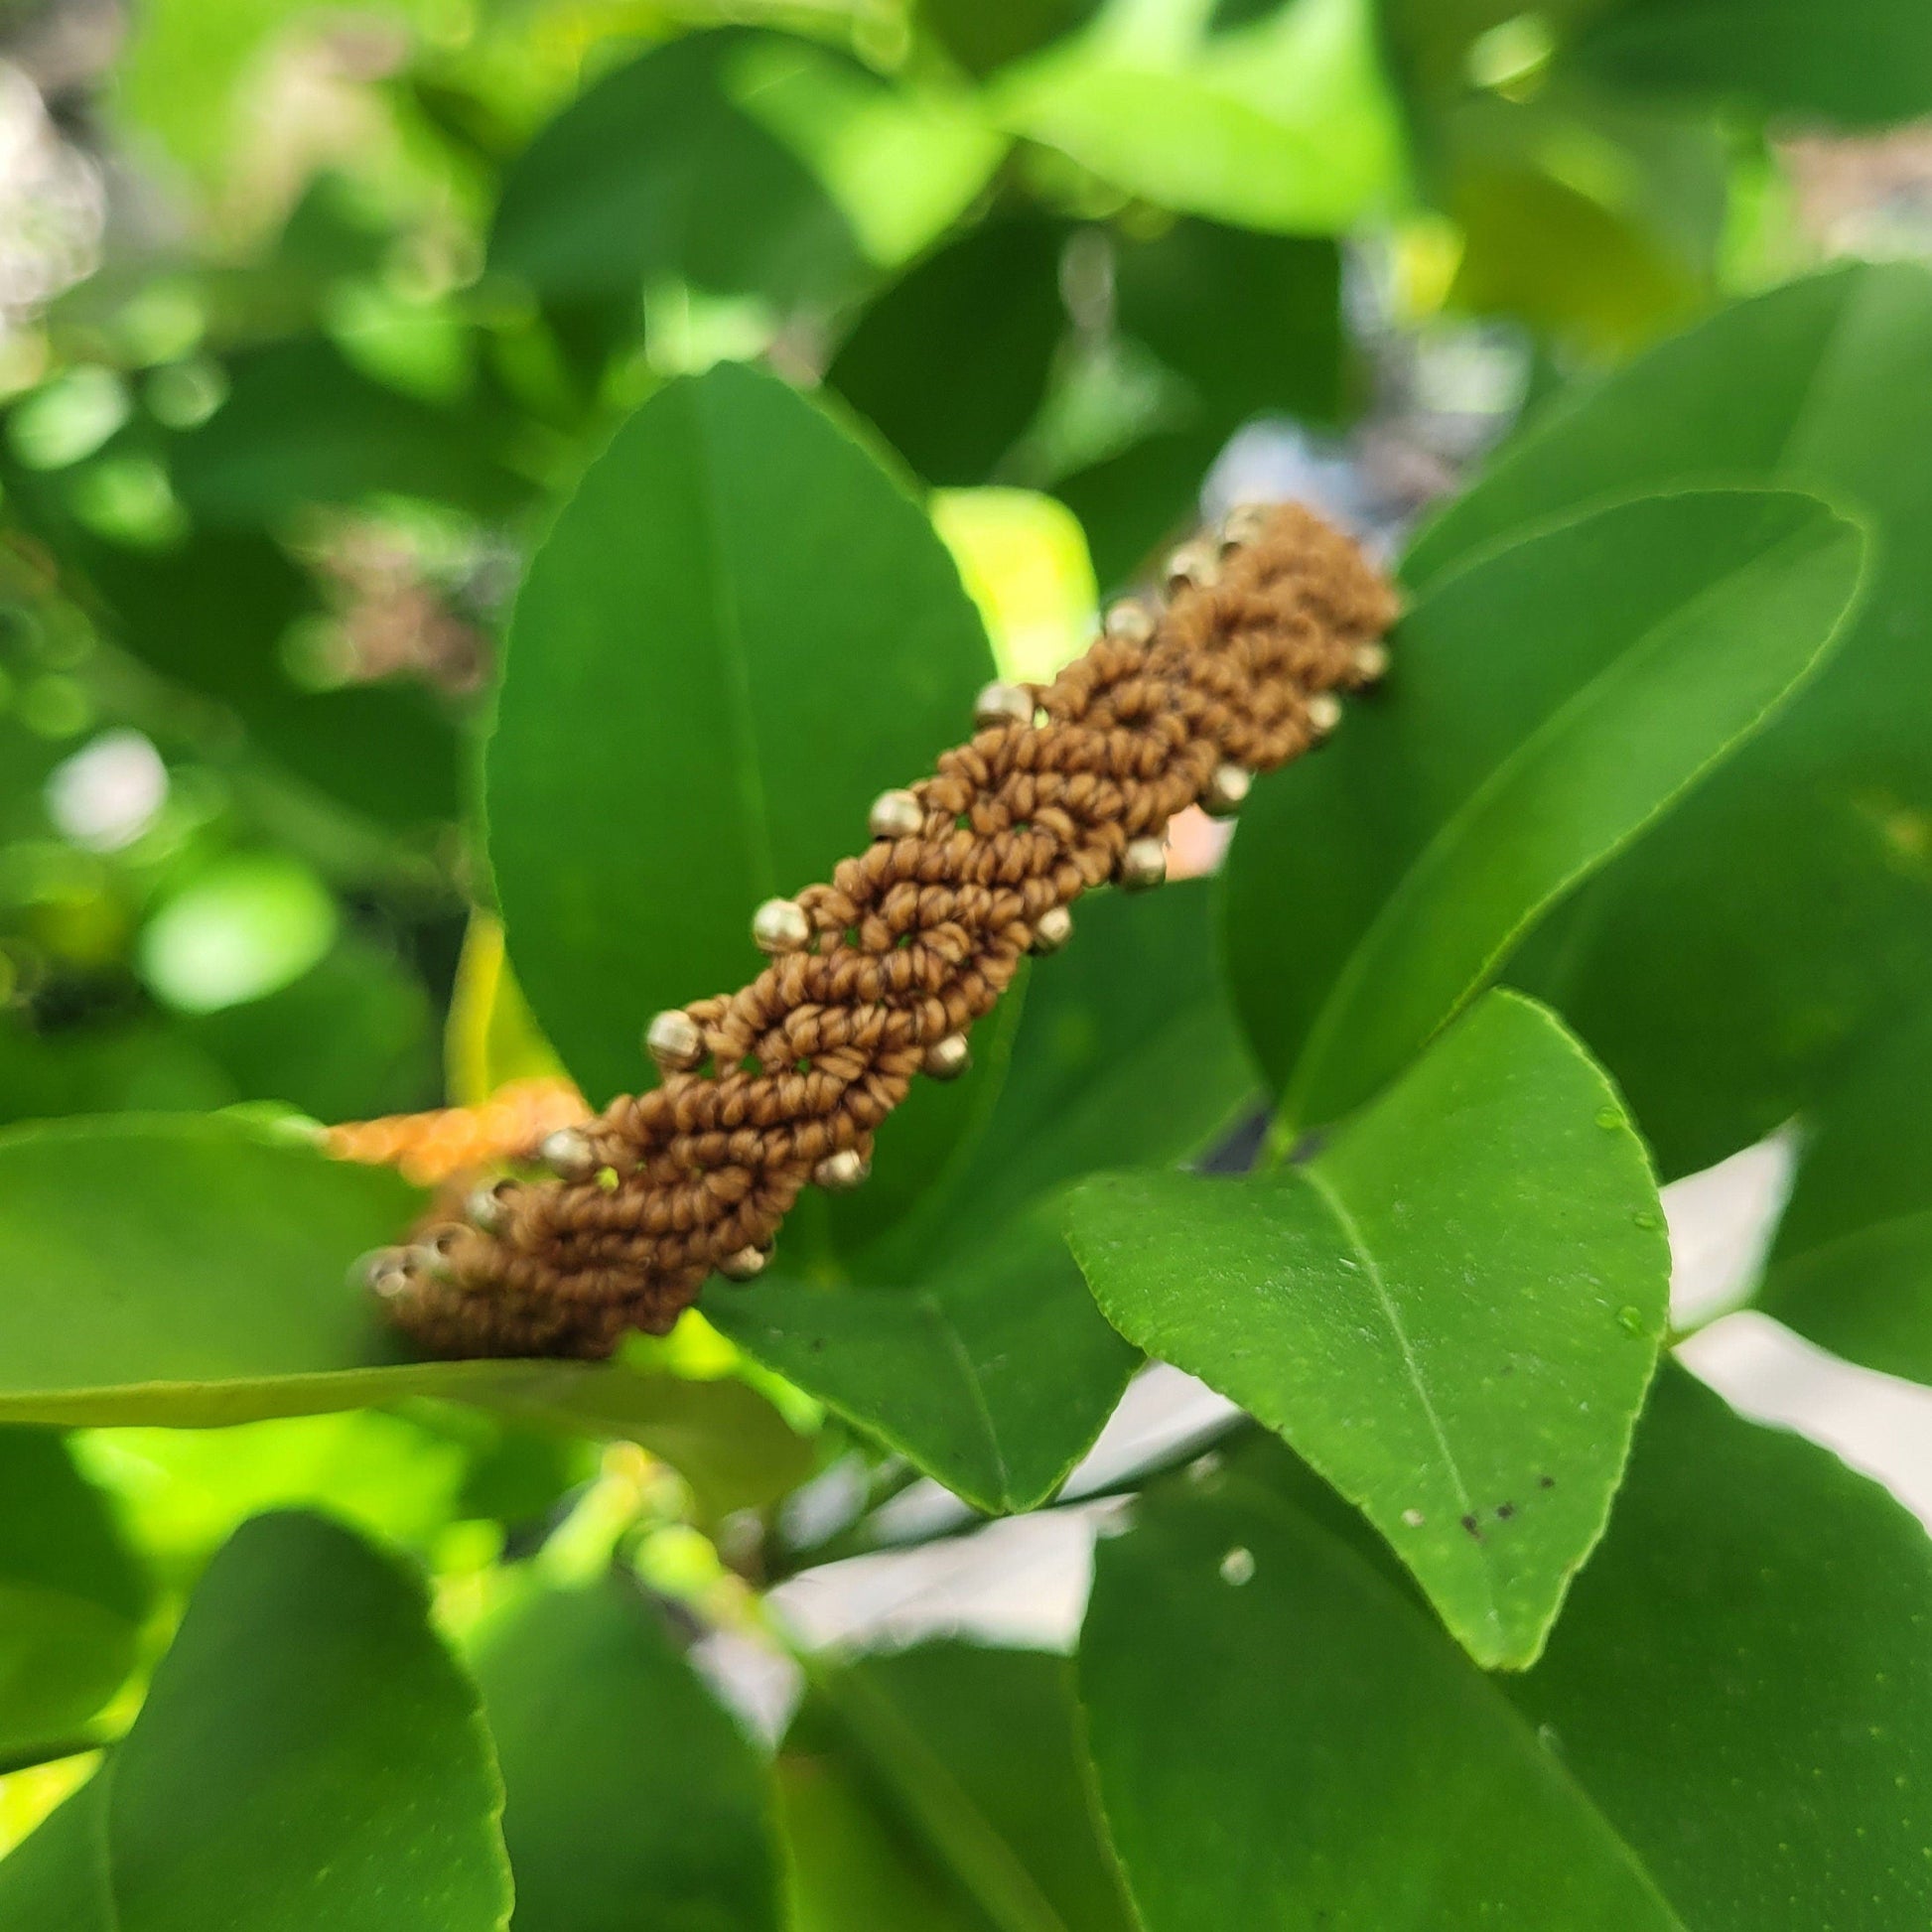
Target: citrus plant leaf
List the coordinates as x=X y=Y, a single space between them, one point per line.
x=308 y=1754
x=1719 y=991
x=1279 y=1736
x=73 y=1596
x=736 y=592
x=1451 y=1311
x=216 y=1290
x=993 y=1372
x=634 y=1801
x=1548 y=702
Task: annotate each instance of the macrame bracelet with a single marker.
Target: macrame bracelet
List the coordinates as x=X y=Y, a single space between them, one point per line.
x=876 y=978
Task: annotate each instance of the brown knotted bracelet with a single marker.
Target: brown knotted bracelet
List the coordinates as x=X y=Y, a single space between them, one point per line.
x=876 y=978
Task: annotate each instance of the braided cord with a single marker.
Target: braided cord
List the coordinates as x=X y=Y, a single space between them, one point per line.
x=887 y=967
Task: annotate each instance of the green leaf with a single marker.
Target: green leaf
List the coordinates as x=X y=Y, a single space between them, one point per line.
x=1720 y=989
x=1451 y=1311
x=1108 y=1068
x=657 y=172
x=950 y=363
x=308 y=1754
x=1852 y=1263
x=982 y=39
x=73 y=1598
x=971 y=1761
x=1548 y=702
x=216 y=1292
x=1735 y=1698
x=1279 y=1739
x=635 y=1803
x=1862 y=64
x=993 y=1372
x=300 y=427
x=736 y=587
x=1283 y=125
x=1130 y=503
x=56 y=1880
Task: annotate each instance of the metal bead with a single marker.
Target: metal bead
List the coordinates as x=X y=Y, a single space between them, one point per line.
x=568 y=1154
x=1142 y=865
x=1371 y=661
x=840 y=1172
x=485 y=1209
x=1324 y=713
x=947 y=1058
x=1196 y=563
x=675 y=1040
x=1128 y=621
x=1051 y=930
x=896 y=815
x=1002 y=704
x=779 y=925
x=431 y=1255
x=1227 y=790
x=1245 y=523
x=747 y=1265
x=382 y=1271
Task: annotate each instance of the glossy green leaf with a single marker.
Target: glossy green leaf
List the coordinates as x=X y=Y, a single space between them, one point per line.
x=56 y=1880
x=993 y=1372
x=971 y=1760
x=1861 y=64
x=73 y=1596
x=736 y=587
x=217 y=1292
x=308 y=1754
x=1721 y=990
x=1280 y=1739
x=1549 y=701
x=1283 y=125
x=635 y=1803
x=1852 y=1263
x=951 y=362
x=658 y=172
x=1451 y=1311
x=1736 y=1693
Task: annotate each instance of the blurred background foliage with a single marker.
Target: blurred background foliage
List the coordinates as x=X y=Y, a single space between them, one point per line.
x=307 y=315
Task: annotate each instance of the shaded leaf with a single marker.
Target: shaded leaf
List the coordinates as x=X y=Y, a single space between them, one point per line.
x=56 y=1880
x=1451 y=1311
x=1720 y=989
x=635 y=1803
x=981 y=38
x=950 y=363
x=993 y=1372
x=1548 y=702
x=734 y=587
x=73 y=1596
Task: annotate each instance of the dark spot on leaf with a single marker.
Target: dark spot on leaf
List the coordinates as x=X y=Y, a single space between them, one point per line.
x=1545 y=1483
x=1504 y=1511
x=1469 y=1523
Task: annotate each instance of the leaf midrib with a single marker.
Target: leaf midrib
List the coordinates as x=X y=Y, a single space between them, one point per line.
x=1443 y=845
x=1357 y=1244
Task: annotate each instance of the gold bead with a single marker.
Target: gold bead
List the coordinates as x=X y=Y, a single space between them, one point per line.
x=382 y=1271
x=1227 y=790
x=1051 y=930
x=896 y=815
x=1245 y=523
x=947 y=1058
x=1324 y=713
x=1128 y=621
x=840 y=1172
x=1196 y=563
x=1142 y=865
x=431 y=1255
x=486 y=1208
x=747 y=1265
x=779 y=925
x=1371 y=661
x=1002 y=704
x=568 y=1154
x=675 y=1040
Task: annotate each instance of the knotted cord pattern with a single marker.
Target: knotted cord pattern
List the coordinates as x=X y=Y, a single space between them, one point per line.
x=911 y=941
